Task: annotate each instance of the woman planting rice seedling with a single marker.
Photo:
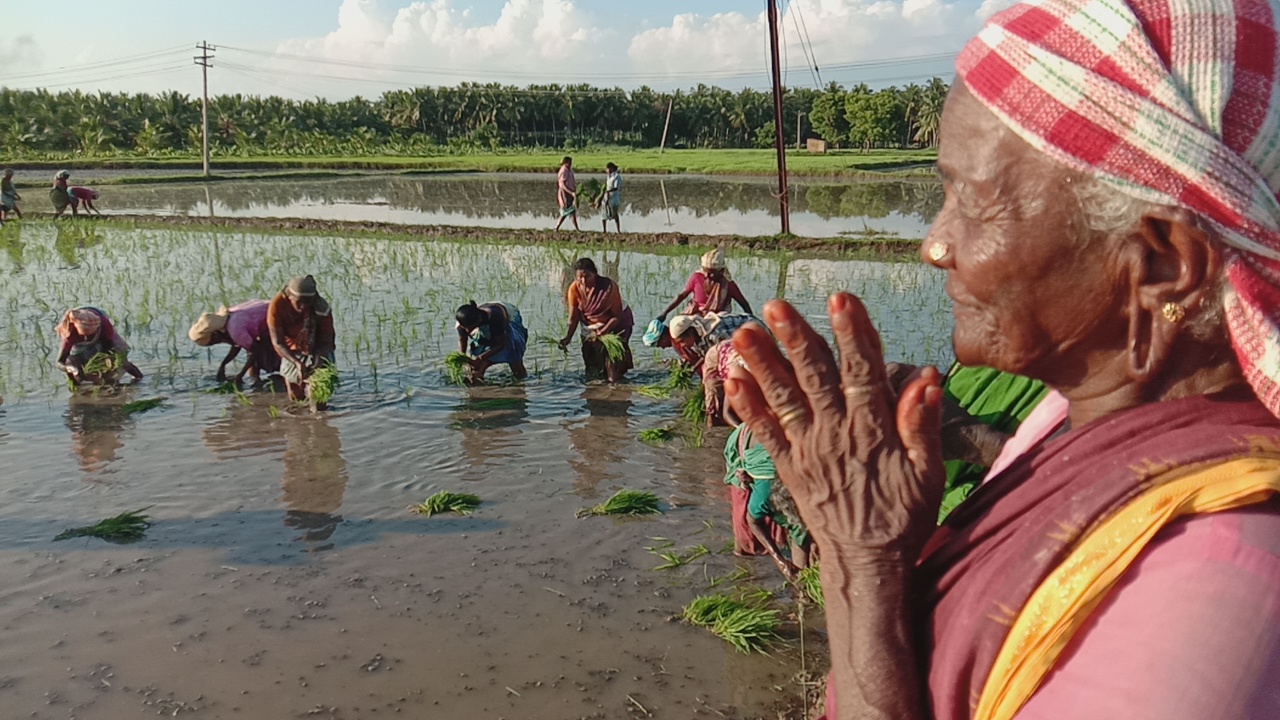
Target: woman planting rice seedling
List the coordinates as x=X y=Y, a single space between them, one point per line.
x=91 y=349
x=300 y=323
x=243 y=327
x=595 y=305
x=492 y=334
x=712 y=288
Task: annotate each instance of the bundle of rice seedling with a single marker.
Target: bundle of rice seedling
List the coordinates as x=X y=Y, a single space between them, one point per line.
x=102 y=363
x=745 y=625
x=694 y=407
x=810 y=583
x=321 y=384
x=551 y=341
x=456 y=367
x=658 y=435
x=589 y=191
x=625 y=502
x=674 y=558
x=445 y=501
x=125 y=527
x=614 y=347
x=143 y=405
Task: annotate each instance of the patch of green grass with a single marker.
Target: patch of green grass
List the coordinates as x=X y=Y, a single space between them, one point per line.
x=456 y=365
x=614 y=347
x=809 y=582
x=125 y=527
x=743 y=623
x=445 y=501
x=675 y=558
x=322 y=383
x=143 y=405
x=625 y=502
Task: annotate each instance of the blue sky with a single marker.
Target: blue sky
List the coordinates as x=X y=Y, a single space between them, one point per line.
x=339 y=48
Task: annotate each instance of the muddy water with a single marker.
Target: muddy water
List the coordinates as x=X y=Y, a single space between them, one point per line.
x=284 y=577
x=688 y=204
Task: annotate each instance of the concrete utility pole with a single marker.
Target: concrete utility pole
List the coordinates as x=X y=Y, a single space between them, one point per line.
x=779 y=141
x=205 y=61
x=663 y=145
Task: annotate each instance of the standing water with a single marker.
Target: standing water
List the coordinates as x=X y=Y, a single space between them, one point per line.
x=284 y=576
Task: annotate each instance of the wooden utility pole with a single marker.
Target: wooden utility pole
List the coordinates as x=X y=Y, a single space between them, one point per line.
x=778 y=140
x=205 y=61
x=799 y=114
x=661 y=146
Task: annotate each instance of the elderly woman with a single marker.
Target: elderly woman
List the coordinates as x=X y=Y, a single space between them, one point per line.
x=712 y=289
x=595 y=305
x=300 y=324
x=1123 y=155
x=702 y=342
x=91 y=350
x=492 y=334
x=243 y=327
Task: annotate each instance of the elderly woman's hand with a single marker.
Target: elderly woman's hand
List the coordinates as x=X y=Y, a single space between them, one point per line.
x=862 y=462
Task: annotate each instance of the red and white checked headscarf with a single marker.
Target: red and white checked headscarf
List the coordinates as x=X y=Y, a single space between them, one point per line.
x=1174 y=102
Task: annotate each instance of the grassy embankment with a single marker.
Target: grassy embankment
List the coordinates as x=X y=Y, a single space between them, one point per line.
x=854 y=248
x=710 y=162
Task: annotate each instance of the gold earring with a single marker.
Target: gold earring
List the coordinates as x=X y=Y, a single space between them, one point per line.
x=938 y=250
x=1173 y=312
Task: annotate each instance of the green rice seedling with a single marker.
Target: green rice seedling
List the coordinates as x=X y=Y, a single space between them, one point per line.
x=273 y=412
x=226 y=388
x=694 y=407
x=552 y=342
x=445 y=501
x=738 y=575
x=742 y=623
x=625 y=502
x=589 y=191
x=143 y=405
x=321 y=384
x=103 y=363
x=809 y=582
x=654 y=392
x=614 y=347
x=675 y=559
x=693 y=436
x=125 y=527
x=658 y=435
x=456 y=366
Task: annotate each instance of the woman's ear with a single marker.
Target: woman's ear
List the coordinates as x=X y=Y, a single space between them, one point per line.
x=1173 y=269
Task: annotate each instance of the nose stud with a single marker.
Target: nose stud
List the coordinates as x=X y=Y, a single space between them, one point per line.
x=938 y=250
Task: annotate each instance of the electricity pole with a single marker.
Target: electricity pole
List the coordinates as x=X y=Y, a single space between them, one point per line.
x=205 y=61
x=670 y=103
x=779 y=141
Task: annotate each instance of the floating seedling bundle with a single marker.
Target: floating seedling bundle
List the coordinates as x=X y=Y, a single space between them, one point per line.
x=125 y=527
x=742 y=623
x=143 y=405
x=625 y=502
x=445 y=501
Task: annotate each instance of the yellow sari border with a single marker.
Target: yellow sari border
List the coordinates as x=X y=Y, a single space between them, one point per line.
x=1064 y=601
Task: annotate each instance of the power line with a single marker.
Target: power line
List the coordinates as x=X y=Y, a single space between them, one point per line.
x=99 y=65
x=106 y=78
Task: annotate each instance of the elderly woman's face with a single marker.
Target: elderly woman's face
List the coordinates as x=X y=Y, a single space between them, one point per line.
x=1030 y=296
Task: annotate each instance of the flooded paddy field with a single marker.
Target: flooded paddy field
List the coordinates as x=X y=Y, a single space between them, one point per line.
x=284 y=576
x=651 y=204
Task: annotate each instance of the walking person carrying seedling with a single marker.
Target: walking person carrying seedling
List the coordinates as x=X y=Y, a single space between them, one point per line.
x=567 y=193
x=300 y=323
x=59 y=196
x=9 y=197
x=612 y=199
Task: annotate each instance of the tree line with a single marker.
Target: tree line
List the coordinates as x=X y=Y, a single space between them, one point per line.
x=470 y=117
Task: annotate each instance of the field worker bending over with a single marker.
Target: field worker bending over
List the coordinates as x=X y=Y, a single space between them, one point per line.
x=300 y=324
x=83 y=196
x=596 y=304
x=91 y=349
x=243 y=327
x=492 y=334
x=712 y=288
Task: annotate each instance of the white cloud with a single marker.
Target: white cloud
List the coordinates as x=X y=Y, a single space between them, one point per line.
x=564 y=41
x=22 y=53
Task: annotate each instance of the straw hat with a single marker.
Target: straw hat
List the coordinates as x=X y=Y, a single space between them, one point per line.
x=201 y=333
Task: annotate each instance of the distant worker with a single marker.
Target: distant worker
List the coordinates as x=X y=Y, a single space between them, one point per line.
x=91 y=349
x=300 y=324
x=9 y=197
x=612 y=199
x=59 y=196
x=83 y=196
x=492 y=334
x=243 y=327
x=712 y=288
x=567 y=193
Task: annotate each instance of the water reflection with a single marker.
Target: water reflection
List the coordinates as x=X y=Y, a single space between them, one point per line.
x=489 y=419
x=599 y=437
x=314 y=480
x=693 y=204
x=97 y=426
